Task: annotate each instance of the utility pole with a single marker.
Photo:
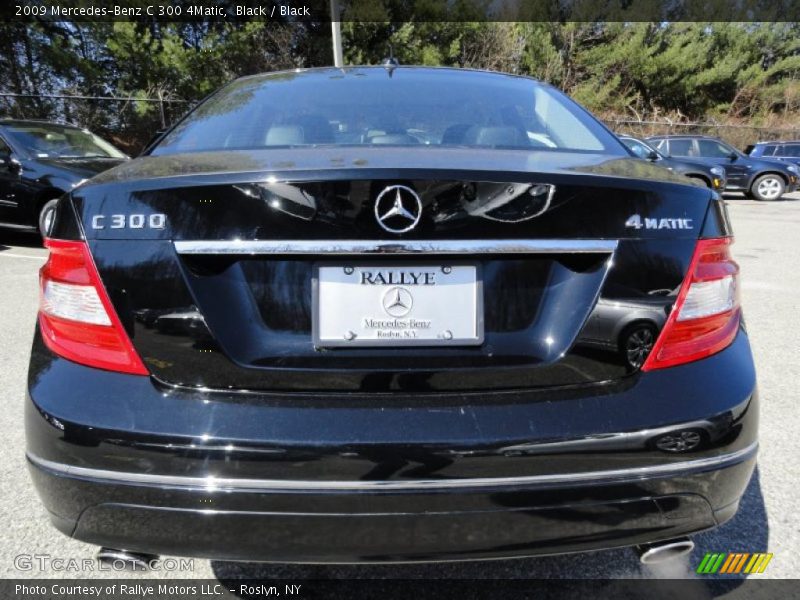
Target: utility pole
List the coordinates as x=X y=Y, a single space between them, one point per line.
x=336 y=30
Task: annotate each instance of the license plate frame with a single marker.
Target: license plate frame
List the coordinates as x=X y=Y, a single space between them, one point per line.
x=359 y=342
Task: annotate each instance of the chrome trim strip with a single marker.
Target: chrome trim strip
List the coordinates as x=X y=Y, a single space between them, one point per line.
x=212 y=483
x=349 y=247
x=18 y=226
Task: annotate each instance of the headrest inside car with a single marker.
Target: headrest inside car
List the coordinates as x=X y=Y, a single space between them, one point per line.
x=284 y=135
x=455 y=133
x=495 y=136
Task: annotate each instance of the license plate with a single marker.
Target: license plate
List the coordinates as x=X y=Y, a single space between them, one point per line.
x=397 y=305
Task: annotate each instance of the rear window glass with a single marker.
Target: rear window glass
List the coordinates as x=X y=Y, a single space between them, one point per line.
x=660 y=145
x=770 y=150
x=681 y=148
x=637 y=147
x=792 y=150
x=404 y=108
x=713 y=149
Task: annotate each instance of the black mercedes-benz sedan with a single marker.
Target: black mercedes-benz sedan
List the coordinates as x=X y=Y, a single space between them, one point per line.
x=338 y=315
x=712 y=176
x=40 y=161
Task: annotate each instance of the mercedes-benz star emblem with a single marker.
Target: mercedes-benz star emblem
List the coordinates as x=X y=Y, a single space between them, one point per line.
x=397 y=302
x=398 y=209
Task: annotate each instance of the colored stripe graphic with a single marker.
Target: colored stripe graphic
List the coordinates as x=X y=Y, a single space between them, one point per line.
x=726 y=567
x=711 y=563
x=758 y=563
x=733 y=563
x=740 y=562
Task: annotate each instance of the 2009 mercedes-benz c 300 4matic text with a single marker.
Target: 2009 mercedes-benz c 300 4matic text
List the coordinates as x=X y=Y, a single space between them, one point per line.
x=389 y=314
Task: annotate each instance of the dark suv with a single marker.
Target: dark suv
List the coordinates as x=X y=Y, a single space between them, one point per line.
x=786 y=151
x=39 y=161
x=759 y=178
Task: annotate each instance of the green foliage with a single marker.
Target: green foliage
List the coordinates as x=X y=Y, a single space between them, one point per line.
x=695 y=70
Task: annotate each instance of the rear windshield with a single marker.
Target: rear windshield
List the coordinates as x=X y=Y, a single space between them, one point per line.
x=403 y=108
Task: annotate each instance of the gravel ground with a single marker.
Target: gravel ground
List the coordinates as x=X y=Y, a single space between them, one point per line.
x=768 y=253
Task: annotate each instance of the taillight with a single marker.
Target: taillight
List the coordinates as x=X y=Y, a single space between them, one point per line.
x=706 y=314
x=76 y=317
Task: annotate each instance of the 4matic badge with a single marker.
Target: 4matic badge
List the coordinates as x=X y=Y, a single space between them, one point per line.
x=637 y=222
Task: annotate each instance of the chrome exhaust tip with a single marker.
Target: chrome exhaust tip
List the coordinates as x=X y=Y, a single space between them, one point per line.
x=662 y=551
x=123 y=560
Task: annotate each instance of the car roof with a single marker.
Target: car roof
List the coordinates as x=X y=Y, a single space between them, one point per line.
x=684 y=137
x=375 y=71
x=389 y=70
x=777 y=142
x=625 y=136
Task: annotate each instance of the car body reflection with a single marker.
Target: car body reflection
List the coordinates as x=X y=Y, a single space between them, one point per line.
x=627 y=325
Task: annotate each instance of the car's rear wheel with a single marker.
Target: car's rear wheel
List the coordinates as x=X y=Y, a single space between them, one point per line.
x=46 y=214
x=636 y=342
x=768 y=187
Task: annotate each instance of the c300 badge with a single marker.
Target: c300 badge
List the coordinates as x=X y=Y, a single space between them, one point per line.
x=135 y=221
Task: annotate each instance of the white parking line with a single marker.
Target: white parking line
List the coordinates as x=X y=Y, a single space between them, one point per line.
x=11 y=255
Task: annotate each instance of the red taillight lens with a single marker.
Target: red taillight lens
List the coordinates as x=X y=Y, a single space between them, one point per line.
x=706 y=314
x=76 y=317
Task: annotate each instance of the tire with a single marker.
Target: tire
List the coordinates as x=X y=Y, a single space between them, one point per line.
x=43 y=212
x=768 y=187
x=636 y=342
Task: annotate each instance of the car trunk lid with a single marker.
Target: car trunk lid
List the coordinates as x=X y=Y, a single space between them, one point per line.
x=216 y=273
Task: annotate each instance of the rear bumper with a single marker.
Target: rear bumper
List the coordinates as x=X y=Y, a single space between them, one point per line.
x=366 y=523
x=123 y=462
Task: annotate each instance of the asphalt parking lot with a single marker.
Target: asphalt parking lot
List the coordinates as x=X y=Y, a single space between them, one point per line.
x=768 y=250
